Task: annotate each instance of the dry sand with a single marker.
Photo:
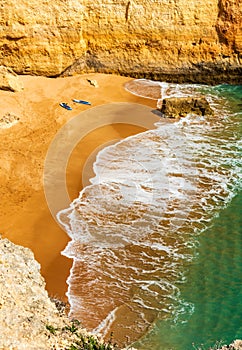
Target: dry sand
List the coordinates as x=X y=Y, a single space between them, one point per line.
x=24 y=216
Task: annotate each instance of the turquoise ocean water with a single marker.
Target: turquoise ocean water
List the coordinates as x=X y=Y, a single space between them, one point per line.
x=157 y=238
x=213 y=283
x=213 y=286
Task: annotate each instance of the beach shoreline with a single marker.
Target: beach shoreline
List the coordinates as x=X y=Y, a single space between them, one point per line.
x=25 y=218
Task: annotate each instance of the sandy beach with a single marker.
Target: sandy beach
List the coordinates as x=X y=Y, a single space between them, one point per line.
x=25 y=218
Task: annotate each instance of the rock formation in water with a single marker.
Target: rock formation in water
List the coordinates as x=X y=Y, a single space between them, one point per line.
x=175 y=40
x=176 y=107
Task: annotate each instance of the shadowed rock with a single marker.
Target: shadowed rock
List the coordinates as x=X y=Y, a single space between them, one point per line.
x=179 y=107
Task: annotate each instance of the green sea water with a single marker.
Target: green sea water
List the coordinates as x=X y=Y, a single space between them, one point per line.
x=212 y=291
x=214 y=288
x=156 y=237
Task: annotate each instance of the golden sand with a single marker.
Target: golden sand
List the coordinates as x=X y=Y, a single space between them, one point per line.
x=24 y=216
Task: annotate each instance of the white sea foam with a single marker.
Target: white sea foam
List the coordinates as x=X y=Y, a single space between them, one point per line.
x=136 y=223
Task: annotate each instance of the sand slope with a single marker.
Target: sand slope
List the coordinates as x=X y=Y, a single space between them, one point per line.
x=24 y=215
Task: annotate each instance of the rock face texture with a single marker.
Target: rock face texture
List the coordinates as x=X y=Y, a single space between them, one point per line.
x=24 y=302
x=28 y=318
x=25 y=308
x=179 y=107
x=176 y=40
x=9 y=80
x=41 y=38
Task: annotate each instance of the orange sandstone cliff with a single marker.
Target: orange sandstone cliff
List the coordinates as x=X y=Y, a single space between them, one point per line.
x=176 y=40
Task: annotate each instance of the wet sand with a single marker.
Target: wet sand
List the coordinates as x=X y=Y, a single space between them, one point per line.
x=24 y=216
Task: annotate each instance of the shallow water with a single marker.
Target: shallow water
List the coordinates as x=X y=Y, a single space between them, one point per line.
x=137 y=232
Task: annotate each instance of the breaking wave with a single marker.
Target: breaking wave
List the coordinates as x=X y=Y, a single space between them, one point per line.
x=134 y=229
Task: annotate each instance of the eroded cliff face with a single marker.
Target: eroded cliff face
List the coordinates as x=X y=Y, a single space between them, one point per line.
x=25 y=308
x=41 y=37
x=155 y=38
x=28 y=318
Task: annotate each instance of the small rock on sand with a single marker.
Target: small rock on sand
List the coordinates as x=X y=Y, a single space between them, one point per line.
x=9 y=80
x=93 y=82
x=8 y=120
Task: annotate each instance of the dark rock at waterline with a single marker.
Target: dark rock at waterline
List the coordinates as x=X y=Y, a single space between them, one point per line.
x=175 y=107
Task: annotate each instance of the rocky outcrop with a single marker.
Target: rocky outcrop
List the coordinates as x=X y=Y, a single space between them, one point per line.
x=28 y=318
x=41 y=38
x=175 y=40
x=25 y=308
x=174 y=107
x=9 y=80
